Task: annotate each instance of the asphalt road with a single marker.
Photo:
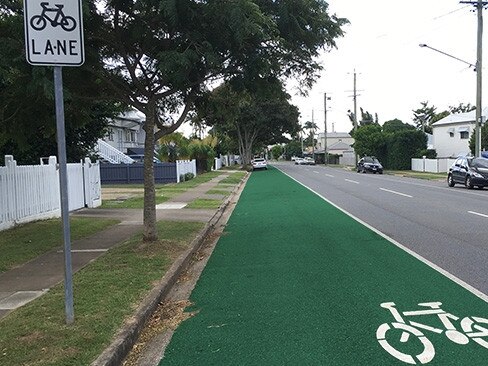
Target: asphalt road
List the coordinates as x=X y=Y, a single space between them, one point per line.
x=447 y=226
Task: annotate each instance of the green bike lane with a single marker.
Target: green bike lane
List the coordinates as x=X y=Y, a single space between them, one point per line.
x=295 y=281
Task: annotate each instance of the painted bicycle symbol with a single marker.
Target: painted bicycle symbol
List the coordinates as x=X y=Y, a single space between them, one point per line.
x=469 y=326
x=39 y=22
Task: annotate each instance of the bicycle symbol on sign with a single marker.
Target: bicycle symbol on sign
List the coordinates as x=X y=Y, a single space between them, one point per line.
x=470 y=330
x=39 y=22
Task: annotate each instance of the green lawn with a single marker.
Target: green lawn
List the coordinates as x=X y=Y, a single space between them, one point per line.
x=25 y=242
x=204 y=203
x=163 y=191
x=106 y=292
x=418 y=175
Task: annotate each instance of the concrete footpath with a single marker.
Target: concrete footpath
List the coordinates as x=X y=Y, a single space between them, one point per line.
x=29 y=281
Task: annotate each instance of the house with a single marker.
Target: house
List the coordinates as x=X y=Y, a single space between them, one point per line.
x=126 y=132
x=338 y=145
x=452 y=133
x=337 y=142
x=125 y=135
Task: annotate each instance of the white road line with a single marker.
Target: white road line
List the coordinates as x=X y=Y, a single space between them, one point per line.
x=316 y=171
x=394 y=192
x=352 y=181
x=434 y=266
x=329 y=175
x=479 y=214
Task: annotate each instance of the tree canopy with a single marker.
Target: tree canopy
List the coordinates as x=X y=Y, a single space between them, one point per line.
x=27 y=110
x=159 y=56
x=254 y=118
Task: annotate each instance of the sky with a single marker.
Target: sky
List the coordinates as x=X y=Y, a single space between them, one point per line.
x=393 y=73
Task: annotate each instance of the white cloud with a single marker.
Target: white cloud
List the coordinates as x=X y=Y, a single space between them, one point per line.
x=394 y=74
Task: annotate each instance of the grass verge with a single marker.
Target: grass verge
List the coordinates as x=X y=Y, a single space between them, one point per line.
x=234 y=178
x=22 y=243
x=163 y=192
x=105 y=294
x=204 y=203
x=418 y=175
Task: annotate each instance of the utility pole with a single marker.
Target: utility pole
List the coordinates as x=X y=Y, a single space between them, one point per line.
x=355 y=104
x=479 y=67
x=326 y=155
x=313 y=137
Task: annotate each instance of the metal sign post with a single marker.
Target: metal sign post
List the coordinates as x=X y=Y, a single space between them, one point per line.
x=63 y=184
x=54 y=37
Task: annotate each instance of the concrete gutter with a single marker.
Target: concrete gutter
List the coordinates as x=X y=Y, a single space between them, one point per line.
x=127 y=336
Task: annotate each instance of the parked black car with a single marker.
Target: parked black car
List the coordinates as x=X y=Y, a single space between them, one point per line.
x=369 y=164
x=469 y=171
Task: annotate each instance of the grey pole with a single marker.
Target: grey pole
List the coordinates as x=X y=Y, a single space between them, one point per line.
x=326 y=155
x=479 y=68
x=63 y=184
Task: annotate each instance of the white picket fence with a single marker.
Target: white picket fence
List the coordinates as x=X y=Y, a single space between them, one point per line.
x=432 y=165
x=185 y=166
x=31 y=192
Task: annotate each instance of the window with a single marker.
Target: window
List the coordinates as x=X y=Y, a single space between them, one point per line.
x=130 y=136
x=464 y=135
x=451 y=134
x=110 y=134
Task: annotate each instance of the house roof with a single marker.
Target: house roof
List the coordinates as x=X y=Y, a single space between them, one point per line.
x=132 y=115
x=339 y=146
x=460 y=118
x=335 y=135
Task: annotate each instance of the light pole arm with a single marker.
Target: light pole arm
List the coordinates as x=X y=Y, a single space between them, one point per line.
x=448 y=55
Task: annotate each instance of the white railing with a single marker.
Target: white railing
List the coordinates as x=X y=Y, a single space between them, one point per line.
x=111 y=154
x=441 y=165
x=31 y=192
x=185 y=166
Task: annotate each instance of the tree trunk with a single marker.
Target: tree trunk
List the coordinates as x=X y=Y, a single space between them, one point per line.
x=150 y=231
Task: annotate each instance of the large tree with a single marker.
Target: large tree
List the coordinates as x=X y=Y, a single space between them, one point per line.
x=160 y=54
x=395 y=125
x=27 y=111
x=254 y=118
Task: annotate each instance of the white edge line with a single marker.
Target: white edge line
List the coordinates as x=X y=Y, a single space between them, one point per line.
x=478 y=214
x=450 y=276
x=394 y=192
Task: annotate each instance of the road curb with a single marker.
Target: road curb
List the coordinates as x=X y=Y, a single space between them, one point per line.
x=126 y=337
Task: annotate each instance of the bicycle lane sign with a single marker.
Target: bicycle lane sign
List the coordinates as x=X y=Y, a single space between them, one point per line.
x=54 y=32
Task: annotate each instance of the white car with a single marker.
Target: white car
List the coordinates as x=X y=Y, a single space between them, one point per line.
x=309 y=161
x=300 y=161
x=259 y=163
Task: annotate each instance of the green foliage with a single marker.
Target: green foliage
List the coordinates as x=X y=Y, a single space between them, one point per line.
x=203 y=153
x=394 y=145
x=293 y=148
x=253 y=116
x=371 y=141
x=367 y=118
x=402 y=146
x=276 y=151
x=428 y=153
x=396 y=125
x=27 y=110
x=173 y=147
x=484 y=139
x=462 y=108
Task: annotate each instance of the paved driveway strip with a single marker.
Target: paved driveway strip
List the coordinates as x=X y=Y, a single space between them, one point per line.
x=295 y=281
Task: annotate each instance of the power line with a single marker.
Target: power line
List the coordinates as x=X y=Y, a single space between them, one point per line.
x=449 y=13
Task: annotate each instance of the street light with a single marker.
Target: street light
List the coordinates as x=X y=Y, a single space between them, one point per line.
x=446 y=54
x=477 y=68
x=326 y=155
